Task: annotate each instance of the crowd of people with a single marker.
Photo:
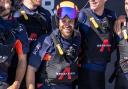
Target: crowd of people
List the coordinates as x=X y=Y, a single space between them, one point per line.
x=37 y=52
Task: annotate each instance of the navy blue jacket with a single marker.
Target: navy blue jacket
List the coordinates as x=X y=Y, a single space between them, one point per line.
x=91 y=42
x=21 y=44
x=45 y=45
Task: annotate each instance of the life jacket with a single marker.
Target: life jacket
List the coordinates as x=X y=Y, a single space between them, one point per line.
x=102 y=28
x=61 y=68
x=7 y=44
x=97 y=34
x=36 y=24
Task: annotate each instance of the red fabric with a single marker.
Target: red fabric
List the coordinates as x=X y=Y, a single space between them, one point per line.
x=39 y=85
x=33 y=36
x=105 y=44
x=68 y=71
x=47 y=57
x=18 y=47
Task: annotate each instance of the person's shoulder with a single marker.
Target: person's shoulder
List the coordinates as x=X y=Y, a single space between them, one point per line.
x=16 y=14
x=77 y=33
x=44 y=11
x=110 y=13
x=82 y=14
x=45 y=39
x=84 y=9
x=18 y=27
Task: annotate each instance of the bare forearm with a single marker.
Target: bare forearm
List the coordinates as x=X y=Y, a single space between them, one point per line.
x=21 y=68
x=30 y=78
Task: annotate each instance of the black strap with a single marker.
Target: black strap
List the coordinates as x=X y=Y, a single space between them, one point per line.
x=55 y=39
x=54 y=21
x=89 y=15
x=56 y=42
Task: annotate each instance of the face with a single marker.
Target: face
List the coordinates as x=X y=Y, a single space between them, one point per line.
x=36 y=2
x=66 y=27
x=97 y=4
x=5 y=7
x=126 y=7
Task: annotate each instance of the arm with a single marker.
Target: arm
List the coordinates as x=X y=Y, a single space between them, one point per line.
x=118 y=24
x=20 y=71
x=121 y=20
x=22 y=48
x=35 y=61
x=122 y=44
x=21 y=67
x=30 y=77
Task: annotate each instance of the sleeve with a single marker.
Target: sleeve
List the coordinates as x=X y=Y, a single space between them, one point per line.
x=82 y=17
x=22 y=43
x=115 y=37
x=41 y=48
x=83 y=27
x=82 y=22
x=18 y=46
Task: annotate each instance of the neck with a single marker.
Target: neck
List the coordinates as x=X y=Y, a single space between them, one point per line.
x=29 y=4
x=99 y=12
x=66 y=37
